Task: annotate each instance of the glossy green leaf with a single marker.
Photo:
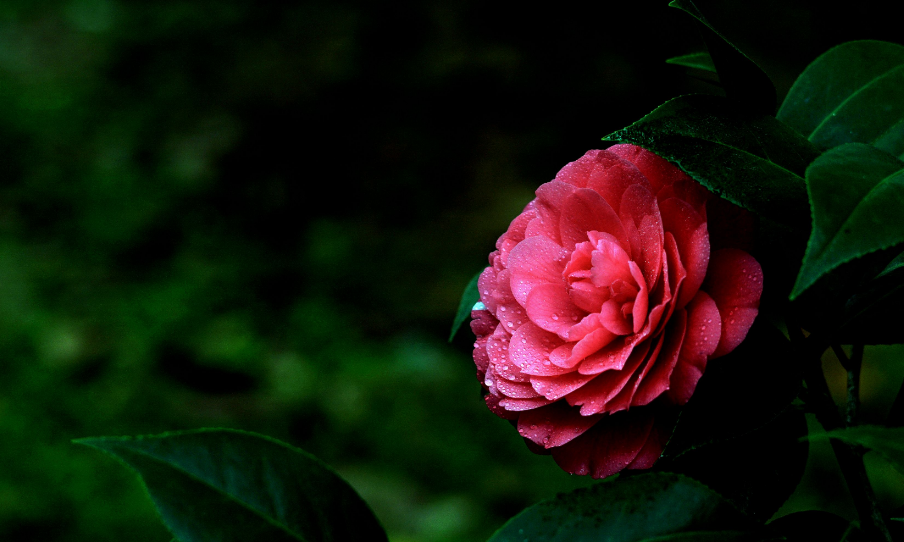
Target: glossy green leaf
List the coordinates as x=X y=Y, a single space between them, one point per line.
x=886 y=441
x=468 y=298
x=700 y=61
x=852 y=93
x=744 y=81
x=626 y=509
x=755 y=162
x=856 y=196
x=222 y=485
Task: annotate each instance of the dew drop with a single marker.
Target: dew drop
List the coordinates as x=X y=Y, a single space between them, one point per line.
x=511 y=324
x=523 y=341
x=731 y=321
x=502 y=309
x=555 y=316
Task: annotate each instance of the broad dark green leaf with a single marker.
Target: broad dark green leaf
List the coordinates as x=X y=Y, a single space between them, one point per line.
x=852 y=93
x=744 y=82
x=631 y=509
x=886 y=441
x=892 y=141
x=856 y=196
x=814 y=525
x=222 y=485
x=755 y=162
x=700 y=61
x=468 y=298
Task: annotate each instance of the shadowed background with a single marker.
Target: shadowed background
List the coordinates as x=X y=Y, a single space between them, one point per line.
x=241 y=215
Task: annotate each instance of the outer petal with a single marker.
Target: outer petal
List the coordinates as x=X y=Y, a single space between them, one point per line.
x=609 y=447
x=529 y=351
x=704 y=326
x=554 y=425
x=612 y=176
x=577 y=173
x=735 y=282
x=656 y=169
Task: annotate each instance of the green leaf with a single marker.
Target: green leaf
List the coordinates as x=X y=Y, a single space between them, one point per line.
x=628 y=509
x=814 y=525
x=886 y=441
x=852 y=93
x=856 y=195
x=700 y=61
x=744 y=82
x=755 y=162
x=468 y=298
x=223 y=485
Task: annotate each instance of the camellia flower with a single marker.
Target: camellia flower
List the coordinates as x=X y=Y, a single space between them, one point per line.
x=603 y=303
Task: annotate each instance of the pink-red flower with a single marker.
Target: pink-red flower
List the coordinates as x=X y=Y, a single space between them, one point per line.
x=603 y=303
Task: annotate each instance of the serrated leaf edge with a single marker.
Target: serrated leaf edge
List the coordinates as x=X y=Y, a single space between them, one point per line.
x=806 y=284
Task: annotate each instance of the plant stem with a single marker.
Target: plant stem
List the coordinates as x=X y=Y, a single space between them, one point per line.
x=850 y=457
x=852 y=365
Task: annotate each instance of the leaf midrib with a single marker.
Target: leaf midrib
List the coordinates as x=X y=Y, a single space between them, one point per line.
x=243 y=504
x=822 y=252
x=851 y=96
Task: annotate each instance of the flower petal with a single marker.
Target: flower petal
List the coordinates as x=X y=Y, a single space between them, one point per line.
x=692 y=239
x=554 y=425
x=735 y=282
x=639 y=213
x=556 y=387
x=529 y=351
x=550 y=307
x=536 y=260
x=585 y=210
x=656 y=169
x=704 y=326
x=608 y=447
x=656 y=382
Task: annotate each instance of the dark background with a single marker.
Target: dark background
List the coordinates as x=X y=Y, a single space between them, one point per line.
x=235 y=214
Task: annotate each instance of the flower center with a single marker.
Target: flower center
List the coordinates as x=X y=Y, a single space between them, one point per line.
x=599 y=280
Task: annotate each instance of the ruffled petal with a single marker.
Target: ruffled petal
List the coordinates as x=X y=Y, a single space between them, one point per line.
x=692 y=239
x=554 y=425
x=529 y=351
x=704 y=326
x=608 y=447
x=536 y=260
x=584 y=211
x=550 y=307
x=735 y=283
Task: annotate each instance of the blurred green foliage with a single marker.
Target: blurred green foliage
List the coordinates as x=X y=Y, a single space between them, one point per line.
x=237 y=214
